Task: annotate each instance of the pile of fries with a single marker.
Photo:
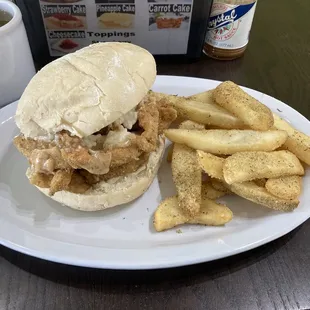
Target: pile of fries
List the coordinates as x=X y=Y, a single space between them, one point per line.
x=230 y=143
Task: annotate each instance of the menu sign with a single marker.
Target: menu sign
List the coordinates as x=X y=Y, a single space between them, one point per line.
x=162 y=26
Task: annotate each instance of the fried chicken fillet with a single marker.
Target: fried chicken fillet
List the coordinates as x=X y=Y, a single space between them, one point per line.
x=74 y=164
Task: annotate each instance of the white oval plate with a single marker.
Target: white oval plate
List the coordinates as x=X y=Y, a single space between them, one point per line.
x=123 y=237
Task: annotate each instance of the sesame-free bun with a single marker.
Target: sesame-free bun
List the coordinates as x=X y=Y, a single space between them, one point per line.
x=85 y=91
x=115 y=191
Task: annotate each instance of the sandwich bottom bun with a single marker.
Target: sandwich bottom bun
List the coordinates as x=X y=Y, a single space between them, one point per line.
x=115 y=191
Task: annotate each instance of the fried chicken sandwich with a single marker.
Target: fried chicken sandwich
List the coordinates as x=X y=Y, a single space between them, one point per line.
x=91 y=129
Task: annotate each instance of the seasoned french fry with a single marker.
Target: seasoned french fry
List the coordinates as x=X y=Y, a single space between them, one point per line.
x=211 y=164
x=285 y=187
x=168 y=214
x=252 y=112
x=243 y=149
x=212 y=214
x=191 y=125
x=220 y=186
x=225 y=142
x=209 y=192
x=251 y=191
x=248 y=166
x=297 y=142
x=205 y=97
x=261 y=182
x=205 y=113
x=255 y=193
x=186 y=174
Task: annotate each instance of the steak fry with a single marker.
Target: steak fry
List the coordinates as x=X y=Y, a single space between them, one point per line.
x=186 y=174
x=248 y=166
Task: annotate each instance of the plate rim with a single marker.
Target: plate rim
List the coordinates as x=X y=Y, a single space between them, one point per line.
x=301 y=218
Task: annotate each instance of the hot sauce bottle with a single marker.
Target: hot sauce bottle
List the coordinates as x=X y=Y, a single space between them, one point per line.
x=229 y=28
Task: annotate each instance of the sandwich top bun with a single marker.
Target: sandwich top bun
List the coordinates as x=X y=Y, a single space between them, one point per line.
x=115 y=191
x=85 y=91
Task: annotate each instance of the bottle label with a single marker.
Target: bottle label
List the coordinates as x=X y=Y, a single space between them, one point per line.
x=229 y=25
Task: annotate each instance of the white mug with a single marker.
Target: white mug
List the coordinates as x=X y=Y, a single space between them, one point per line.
x=16 y=63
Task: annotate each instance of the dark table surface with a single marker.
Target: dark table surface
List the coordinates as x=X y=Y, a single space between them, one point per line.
x=274 y=276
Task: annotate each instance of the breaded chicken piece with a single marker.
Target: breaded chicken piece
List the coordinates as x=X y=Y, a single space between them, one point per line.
x=70 y=152
x=60 y=181
x=26 y=146
x=77 y=184
x=167 y=114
